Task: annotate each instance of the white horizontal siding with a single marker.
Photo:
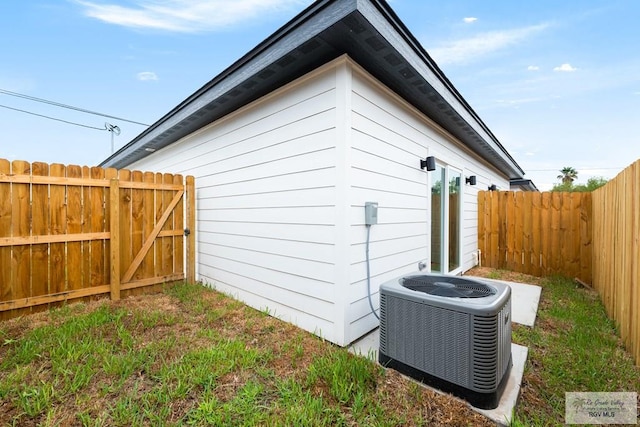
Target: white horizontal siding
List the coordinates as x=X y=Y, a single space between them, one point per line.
x=306 y=233
x=281 y=187
x=266 y=208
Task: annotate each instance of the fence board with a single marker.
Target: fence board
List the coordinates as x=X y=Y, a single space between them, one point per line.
x=510 y=230
x=536 y=233
x=492 y=255
x=6 y=285
x=586 y=237
x=178 y=224
x=21 y=263
x=109 y=174
x=58 y=215
x=137 y=219
x=124 y=200
x=75 y=275
x=481 y=227
x=148 y=224
x=97 y=207
x=167 y=242
x=634 y=299
x=556 y=207
x=565 y=248
x=159 y=209
x=190 y=243
x=39 y=226
x=518 y=228
x=527 y=200
x=86 y=228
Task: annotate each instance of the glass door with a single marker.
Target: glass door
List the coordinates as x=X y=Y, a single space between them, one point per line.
x=446 y=209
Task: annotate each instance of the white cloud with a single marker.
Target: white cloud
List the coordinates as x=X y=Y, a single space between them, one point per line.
x=147 y=75
x=467 y=50
x=565 y=68
x=470 y=19
x=533 y=68
x=188 y=16
x=517 y=102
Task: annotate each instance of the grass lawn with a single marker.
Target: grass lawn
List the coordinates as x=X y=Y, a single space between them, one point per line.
x=192 y=356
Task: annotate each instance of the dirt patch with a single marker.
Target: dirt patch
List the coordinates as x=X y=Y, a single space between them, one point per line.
x=509 y=276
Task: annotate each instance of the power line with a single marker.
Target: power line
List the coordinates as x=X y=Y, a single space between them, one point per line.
x=70 y=107
x=52 y=118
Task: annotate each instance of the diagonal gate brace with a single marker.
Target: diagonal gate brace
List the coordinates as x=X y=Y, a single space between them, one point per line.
x=152 y=237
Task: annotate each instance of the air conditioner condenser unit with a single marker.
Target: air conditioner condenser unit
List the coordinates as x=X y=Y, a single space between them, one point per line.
x=450 y=332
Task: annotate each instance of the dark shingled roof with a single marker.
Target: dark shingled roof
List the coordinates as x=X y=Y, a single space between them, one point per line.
x=366 y=30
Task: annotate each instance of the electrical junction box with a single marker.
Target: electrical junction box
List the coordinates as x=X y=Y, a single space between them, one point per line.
x=371 y=213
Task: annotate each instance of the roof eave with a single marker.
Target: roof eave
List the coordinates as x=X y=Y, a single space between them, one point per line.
x=312 y=30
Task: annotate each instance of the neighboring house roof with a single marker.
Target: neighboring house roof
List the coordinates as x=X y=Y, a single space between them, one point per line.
x=522 y=184
x=366 y=30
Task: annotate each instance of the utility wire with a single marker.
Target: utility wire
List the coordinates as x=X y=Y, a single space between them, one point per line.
x=52 y=118
x=70 y=107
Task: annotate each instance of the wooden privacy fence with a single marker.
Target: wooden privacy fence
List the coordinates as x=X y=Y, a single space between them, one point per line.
x=536 y=233
x=616 y=260
x=592 y=236
x=71 y=232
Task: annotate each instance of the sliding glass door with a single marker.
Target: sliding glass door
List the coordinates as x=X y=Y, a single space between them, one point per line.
x=446 y=209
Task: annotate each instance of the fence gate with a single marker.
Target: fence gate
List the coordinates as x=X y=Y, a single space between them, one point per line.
x=71 y=232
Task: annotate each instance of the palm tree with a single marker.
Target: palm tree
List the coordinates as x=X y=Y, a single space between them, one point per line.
x=568 y=174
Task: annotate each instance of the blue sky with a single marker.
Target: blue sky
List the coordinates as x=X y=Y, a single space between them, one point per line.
x=558 y=82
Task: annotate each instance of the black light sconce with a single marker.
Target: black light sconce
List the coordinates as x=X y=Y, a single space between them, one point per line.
x=429 y=163
x=470 y=180
x=493 y=187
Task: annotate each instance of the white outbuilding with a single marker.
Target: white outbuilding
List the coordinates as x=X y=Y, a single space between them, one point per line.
x=339 y=107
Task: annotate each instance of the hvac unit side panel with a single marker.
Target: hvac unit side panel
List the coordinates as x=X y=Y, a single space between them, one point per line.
x=485 y=353
x=491 y=349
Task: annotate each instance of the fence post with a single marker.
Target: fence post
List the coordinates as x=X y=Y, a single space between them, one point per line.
x=190 y=192
x=114 y=196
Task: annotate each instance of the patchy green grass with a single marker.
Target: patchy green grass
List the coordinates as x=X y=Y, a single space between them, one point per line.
x=574 y=346
x=193 y=356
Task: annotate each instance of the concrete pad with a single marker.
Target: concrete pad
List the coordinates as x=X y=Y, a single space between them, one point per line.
x=502 y=414
x=368 y=346
x=524 y=301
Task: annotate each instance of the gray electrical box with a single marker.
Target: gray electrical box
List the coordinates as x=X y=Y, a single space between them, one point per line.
x=371 y=213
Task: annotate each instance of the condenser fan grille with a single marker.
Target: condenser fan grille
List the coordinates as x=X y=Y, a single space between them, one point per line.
x=447 y=286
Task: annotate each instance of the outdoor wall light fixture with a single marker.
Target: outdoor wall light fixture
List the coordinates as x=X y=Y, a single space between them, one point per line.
x=492 y=187
x=429 y=163
x=470 y=180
